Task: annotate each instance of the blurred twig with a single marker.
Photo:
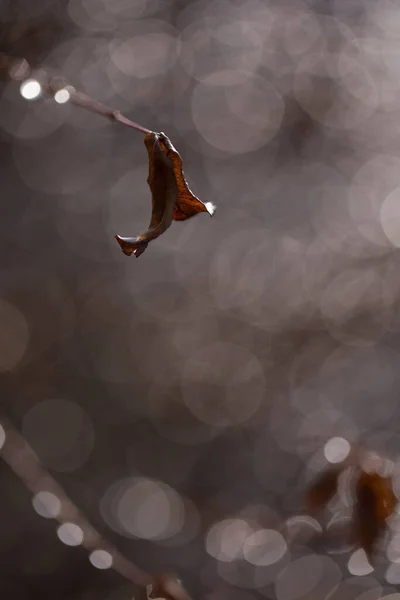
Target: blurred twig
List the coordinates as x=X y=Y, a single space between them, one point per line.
x=17 y=453
x=19 y=69
x=20 y=457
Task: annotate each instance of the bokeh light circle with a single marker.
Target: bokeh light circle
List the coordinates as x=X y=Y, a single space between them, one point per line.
x=223 y=384
x=264 y=547
x=62 y=96
x=359 y=564
x=101 y=559
x=30 y=89
x=60 y=432
x=70 y=534
x=336 y=449
x=46 y=504
x=236 y=112
x=225 y=539
x=310 y=577
x=143 y=508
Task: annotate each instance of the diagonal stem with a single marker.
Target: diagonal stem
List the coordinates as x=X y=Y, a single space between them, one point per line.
x=50 y=85
x=20 y=457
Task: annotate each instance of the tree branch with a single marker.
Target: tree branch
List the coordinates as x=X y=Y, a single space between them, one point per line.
x=20 y=457
x=18 y=69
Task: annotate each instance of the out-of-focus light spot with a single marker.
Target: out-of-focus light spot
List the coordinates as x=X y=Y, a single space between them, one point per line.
x=70 y=534
x=345 y=487
x=317 y=72
x=232 y=38
x=393 y=548
x=381 y=57
x=390 y=217
x=225 y=539
x=60 y=432
x=371 y=462
x=375 y=180
x=358 y=369
x=235 y=384
x=336 y=449
x=46 y=504
x=193 y=432
x=358 y=588
x=301 y=528
x=350 y=293
x=236 y=115
x=145 y=56
x=30 y=89
x=154 y=504
x=144 y=508
x=301 y=32
x=387 y=468
x=190 y=529
x=101 y=559
x=385 y=15
x=325 y=423
x=2 y=436
x=359 y=564
x=311 y=576
x=264 y=547
x=62 y=96
x=392 y=574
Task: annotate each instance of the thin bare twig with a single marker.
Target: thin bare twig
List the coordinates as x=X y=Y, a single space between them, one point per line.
x=18 y=69
x=20 y=457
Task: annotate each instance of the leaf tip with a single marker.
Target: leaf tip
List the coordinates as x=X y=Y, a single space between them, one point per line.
x=210 y=207
x=131 y=245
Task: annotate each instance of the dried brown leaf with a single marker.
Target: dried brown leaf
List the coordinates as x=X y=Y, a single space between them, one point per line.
x=375 y=502
x=172 y=198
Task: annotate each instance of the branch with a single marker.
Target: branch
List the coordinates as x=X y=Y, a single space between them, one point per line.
x=18 y=69
x=20 y=457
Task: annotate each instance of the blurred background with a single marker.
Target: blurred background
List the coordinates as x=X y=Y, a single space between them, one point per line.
x=186 y=399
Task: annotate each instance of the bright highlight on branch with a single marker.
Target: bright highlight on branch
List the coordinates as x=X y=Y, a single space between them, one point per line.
x=62 y=96
x=70 y=534
x=101 y=559
x=30 y=89
x=46 y=504
x=2 y=436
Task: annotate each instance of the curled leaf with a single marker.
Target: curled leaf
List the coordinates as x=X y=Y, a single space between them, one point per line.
x=172 y=198
x=375 y=502
x=187 y=204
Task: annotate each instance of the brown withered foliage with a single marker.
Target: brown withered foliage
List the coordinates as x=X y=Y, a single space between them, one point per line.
x=374 y=502
x=172 y=199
